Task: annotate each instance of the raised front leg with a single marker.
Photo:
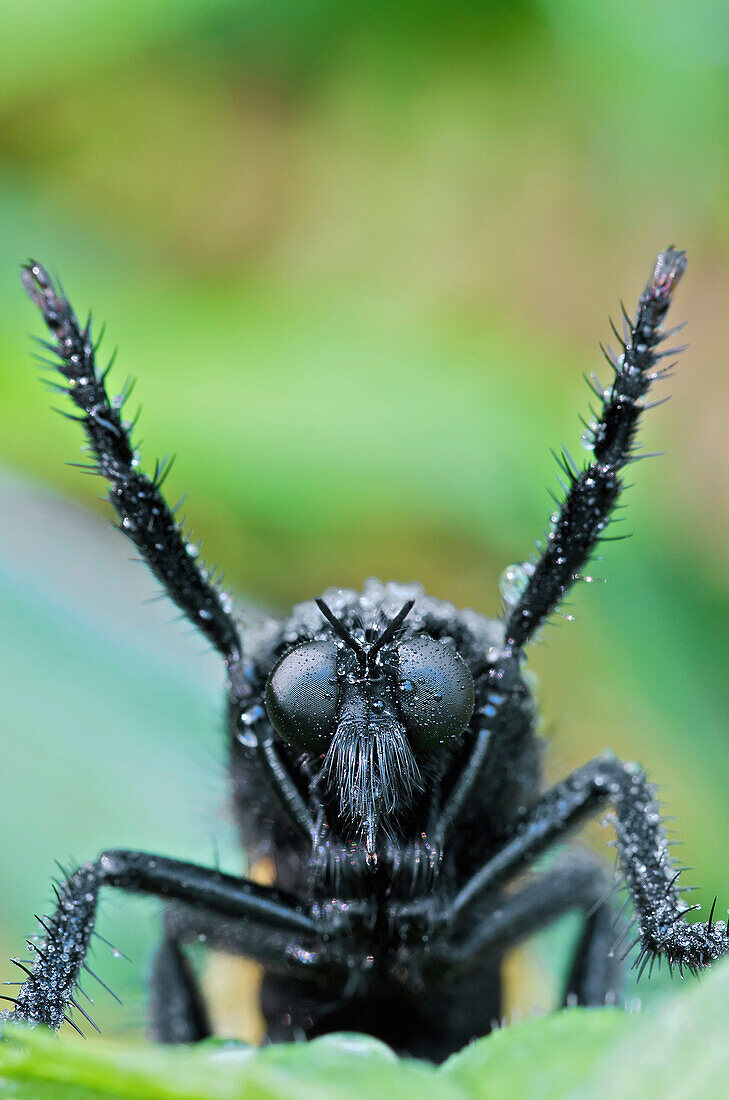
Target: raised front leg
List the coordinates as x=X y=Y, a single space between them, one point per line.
x=645 y=860
x=260 y=920
x=579 y=522
x=144 y=514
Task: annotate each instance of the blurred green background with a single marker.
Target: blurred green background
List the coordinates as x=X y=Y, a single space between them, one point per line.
x=358 y=256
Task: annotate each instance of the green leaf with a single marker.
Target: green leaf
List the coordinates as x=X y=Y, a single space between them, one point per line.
x=334 y=1067
x=677 y=1051
x=540 y=1057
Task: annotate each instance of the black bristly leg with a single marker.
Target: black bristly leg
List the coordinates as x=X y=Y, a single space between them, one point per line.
x=596 y=974
x=60 y=954
x=591 y=494
x=314 y=958
x=176 y=1010
x=645 y=860
x=144 y=515
x=578 y=882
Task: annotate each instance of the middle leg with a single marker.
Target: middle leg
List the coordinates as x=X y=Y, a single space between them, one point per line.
x=275 y=928
x=176 y=1008
x=579 y=881
x=650 y=876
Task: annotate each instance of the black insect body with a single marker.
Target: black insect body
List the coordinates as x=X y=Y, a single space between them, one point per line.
x=383 y=755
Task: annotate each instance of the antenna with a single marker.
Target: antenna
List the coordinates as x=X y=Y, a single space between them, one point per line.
x=365 y=657
x=341 y=630
x=389 y=631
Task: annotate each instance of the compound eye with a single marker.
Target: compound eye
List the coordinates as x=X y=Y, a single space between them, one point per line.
x=435 y=692
x=302 y=695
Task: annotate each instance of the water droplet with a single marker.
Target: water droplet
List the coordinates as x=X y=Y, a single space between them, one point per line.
x=588 y=437
x=514 y=580
x=247 y=720
x=252 y=715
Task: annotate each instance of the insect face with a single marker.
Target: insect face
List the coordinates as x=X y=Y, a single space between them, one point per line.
x=368 y=708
